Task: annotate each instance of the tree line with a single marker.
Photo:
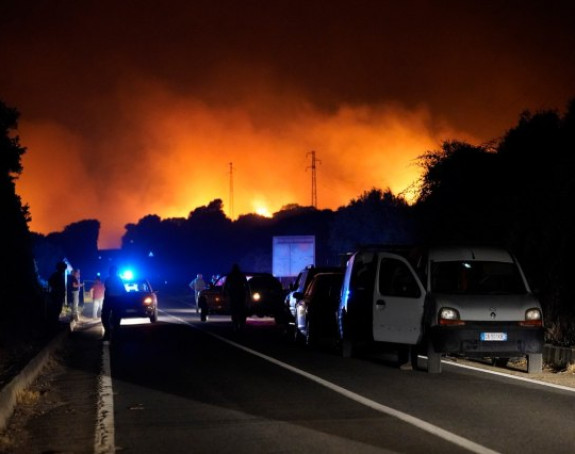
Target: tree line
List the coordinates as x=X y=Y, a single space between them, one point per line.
x=516 y=192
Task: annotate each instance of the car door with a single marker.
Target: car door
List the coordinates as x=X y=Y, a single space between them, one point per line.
x=398 y=302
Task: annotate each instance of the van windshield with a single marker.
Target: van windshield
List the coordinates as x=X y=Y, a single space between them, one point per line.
x=476 y=278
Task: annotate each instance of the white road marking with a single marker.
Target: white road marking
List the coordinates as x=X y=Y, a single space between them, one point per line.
x=104 y=442
x=419 y=423
x=510 y=376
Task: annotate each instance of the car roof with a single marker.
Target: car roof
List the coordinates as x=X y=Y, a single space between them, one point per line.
x=458 y=253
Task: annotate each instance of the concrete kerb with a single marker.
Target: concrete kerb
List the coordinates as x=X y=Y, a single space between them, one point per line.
x=9 y=393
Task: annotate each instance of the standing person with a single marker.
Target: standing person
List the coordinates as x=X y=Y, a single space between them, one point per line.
x=237 y=291
x=114 y=290
x=97 y=292
x=74 y=287
x=81 y=295
x=57 y=283
x=197 y=285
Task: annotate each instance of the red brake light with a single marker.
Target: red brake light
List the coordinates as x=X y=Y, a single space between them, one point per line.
x=445 y=322
x=531 y=323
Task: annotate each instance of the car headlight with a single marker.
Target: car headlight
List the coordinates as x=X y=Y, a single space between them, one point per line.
x=148 y=300
x=449 y=316
x=533 y=317
x=256 y=296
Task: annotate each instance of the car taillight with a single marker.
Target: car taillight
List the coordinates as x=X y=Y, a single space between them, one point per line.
x=449 y=316
x=533 y=317
x=148 y=300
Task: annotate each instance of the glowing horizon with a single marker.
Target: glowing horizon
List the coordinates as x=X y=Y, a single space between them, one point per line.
x=175 y=157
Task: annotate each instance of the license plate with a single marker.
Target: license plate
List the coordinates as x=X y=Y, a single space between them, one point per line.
x=493 y=336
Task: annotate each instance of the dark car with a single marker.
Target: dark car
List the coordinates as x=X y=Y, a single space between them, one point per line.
x=266 y=296
x=301 y=284
x=316 y=309
x=140 y=300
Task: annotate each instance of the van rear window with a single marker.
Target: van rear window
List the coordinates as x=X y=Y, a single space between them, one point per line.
x=476 y=278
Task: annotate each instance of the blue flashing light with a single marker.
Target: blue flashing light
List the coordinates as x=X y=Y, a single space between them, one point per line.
x=127 y=275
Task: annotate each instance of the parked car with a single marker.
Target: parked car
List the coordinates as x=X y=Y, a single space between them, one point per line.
x=266 y=296
x=140 y=300
x=468 y=301
x=316 y=309
x=301 y=284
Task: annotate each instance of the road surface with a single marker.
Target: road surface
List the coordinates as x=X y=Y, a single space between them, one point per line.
x=182 y=386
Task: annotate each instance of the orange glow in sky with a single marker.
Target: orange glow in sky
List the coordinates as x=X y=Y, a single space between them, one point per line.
x=141 y=111
x=170 y=155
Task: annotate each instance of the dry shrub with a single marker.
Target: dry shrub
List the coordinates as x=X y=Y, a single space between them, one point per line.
x=28 y=397
x=6 y=443
x=560 y=332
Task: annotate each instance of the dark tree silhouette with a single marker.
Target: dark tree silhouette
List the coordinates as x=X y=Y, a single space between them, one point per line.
x=538 y=159
x=376 y=217
x=459 y=199
x=19 y=288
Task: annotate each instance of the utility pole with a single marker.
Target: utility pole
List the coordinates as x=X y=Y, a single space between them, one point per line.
x=314 y=161
x=231 y=191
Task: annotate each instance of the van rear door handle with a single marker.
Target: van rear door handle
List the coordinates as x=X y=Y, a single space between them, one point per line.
x=380 y=304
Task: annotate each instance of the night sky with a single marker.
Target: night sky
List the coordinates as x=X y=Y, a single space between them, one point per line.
x=131 y=108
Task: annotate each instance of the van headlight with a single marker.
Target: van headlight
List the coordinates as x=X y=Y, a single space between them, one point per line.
x=256 y=296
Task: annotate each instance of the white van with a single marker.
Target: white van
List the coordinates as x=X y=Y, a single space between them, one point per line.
x=468 y=301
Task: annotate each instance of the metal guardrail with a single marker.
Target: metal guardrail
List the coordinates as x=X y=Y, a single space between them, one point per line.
x=558 y=356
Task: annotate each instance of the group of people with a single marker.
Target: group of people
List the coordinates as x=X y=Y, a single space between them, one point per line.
x=65 y=289
x=235 y=289
x=105 y=294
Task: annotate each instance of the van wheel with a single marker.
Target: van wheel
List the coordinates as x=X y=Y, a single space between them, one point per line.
x=534 y=363
x=346 y=348
x=296 y=335
x=433 y=360
x=310 y=337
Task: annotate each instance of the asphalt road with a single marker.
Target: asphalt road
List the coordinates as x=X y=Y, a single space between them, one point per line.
x=184 y=386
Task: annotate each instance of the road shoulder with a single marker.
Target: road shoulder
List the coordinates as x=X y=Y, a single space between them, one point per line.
x=57 y=412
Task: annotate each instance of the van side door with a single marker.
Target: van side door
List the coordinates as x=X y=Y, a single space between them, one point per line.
x=398 y=302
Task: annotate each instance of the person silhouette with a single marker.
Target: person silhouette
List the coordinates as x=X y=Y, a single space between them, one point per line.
x=236 y=290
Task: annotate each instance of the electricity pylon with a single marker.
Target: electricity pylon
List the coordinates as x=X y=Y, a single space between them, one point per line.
x=314 y=161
